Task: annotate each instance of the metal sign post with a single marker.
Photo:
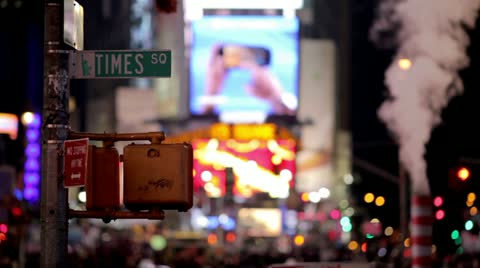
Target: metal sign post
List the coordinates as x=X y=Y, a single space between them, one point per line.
x=54 y=224
x=63 y=33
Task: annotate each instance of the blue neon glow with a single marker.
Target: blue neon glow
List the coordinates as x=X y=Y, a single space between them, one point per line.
x=18 y=194
x=229 y=224
x=32 y=178
x=212 y=222
x=32 y=164
x=289 y=220
x=32 y=135
x=31 y=193
x=35 y=122
x=33 y=150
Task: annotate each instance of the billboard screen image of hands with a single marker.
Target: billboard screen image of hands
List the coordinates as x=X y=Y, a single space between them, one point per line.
x=244 y=64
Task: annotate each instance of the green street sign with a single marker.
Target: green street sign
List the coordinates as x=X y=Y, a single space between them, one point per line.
x=120 y=64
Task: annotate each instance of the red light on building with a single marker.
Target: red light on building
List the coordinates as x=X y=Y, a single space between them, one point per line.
x=17 y=212
x=3 y=228
x=438 y=201
x=212 y=239
x=230 y=237
x=335 y=214
x=407 y=253
x=440 y=214
x=364 y=247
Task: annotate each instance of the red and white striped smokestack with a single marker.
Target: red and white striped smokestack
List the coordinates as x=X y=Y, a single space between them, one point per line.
x=421 y=231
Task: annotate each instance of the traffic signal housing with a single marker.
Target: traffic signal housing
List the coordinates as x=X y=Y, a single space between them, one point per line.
x=158 y=175
x=103 y=183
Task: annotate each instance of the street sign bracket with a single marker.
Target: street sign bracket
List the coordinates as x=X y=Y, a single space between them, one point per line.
x=109 y=138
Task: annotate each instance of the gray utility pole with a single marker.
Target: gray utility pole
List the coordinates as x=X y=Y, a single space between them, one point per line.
x=55 y=127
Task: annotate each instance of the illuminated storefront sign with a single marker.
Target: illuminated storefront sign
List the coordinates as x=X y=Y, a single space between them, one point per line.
x=9 y=125
x=243 y=131
x=222 y=131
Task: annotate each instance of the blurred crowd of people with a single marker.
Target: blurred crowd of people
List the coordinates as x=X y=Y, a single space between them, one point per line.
x=91 y=245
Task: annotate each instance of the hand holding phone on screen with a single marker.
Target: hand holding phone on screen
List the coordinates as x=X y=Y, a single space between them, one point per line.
x=265 y=85
x=236 y=55
x=215 y=77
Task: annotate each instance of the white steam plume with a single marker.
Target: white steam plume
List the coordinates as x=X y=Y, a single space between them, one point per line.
x=431 y=34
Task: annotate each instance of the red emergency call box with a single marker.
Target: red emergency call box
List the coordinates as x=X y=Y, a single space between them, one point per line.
x=103 y=185
x=158 y=176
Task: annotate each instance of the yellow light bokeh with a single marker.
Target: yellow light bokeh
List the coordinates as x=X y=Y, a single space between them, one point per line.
x=353 y=245
x=369 y=197
x=405 y=64
x=388 y=231
x=72 y=104
x=380 y=201
x=463 y=173
x=471 y=197
x=276 y=159
x=406 y=243
x=299 y=240
x=220 y=131
x=27 y=118
x=212 y=144
x=305 y=197
x=473 y=211
x=469 y=203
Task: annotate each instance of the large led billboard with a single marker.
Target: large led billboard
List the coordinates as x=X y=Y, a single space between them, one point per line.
x=244 y=65
x=259 y=166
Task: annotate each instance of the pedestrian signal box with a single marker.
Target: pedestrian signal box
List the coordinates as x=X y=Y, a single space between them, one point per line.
x=158 y=176
x=103 y=185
